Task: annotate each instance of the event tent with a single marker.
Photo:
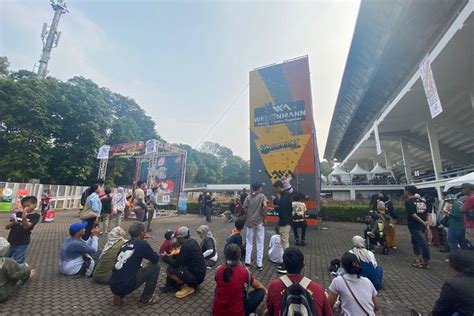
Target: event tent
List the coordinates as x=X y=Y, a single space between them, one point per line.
x=339 y=175
x=457 y=182
x=358 y=171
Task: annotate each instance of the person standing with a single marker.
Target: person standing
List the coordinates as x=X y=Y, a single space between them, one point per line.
x=128 y=273
x=285 y=210
x=94 y=204
x=468 y=209
x=208 y=206
x=201 y=203
x=152 y=206
x=457 y=228
x=243 y=195
x=107 y=210
x=299 y=219
x=139 y=201
x=417 y=219
x=21 y=224
x=119 y=202
x=255 y=207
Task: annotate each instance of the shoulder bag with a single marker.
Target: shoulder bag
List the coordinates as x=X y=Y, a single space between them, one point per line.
x=355 y=298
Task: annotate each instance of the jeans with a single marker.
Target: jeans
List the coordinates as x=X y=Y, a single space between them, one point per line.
x=420 y=246
x=259 y=232
x=149 y=276
x=207 y=210
x=140 y=213
x=457 y=236
x=285 y=236
x=254 y=299
x=90 y=225
x=17 y=253
x=302 y=225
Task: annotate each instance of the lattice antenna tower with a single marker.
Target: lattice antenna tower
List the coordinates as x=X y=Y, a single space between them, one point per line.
x=50 y=36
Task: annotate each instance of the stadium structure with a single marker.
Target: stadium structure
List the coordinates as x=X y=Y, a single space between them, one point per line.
x=405 y=109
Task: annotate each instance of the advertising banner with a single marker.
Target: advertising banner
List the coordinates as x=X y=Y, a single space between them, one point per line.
x=282 y=133
x=167 y=176
x=127 y=150
x=430 y=87
x=103 y=152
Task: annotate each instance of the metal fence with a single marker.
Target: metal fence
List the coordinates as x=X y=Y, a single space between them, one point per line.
x=63 y=196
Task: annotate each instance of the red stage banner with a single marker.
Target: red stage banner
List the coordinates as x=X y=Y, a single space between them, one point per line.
x=127 y=150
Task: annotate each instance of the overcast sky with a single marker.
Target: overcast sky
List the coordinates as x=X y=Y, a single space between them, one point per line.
x=184 y=62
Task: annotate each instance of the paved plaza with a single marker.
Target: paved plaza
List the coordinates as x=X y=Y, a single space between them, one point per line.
x=51 y=293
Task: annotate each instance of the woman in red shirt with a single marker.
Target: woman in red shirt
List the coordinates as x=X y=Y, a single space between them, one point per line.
x=233 y=296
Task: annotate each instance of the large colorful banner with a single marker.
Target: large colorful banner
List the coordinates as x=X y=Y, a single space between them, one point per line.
x=127 y=150
x=282 y=133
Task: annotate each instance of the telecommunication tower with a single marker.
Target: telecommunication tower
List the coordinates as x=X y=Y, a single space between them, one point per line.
x=50 y=37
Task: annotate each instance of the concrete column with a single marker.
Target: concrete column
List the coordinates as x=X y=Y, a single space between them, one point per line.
x=406 y=159
x=352 y=192
x=434 y=148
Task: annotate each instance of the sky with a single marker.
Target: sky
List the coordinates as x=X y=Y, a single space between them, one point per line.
x=185 y=62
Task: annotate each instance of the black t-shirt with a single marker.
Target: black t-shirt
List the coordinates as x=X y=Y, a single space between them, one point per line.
x=243 y=196
x=235 y=239
x=190 y=256
x=285 y=209
x=129 y=259
x=106 y=204
x=416 y=206
x=232 y=207
x=208 y=243
x=18 y=235
x=208 y=201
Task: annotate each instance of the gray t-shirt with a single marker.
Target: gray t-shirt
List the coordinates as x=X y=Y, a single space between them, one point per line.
x=253 y=205
x=362 y=288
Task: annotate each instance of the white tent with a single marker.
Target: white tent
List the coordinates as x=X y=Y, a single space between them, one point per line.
x=339 y=175
x=456 y=182
x=378 y=170
x=358 y=172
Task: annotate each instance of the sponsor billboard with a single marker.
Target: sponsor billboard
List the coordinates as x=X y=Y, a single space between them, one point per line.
x=282 y=132
x=127 y=150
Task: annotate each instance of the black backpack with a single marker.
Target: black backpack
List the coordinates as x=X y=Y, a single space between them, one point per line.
x=296 y=300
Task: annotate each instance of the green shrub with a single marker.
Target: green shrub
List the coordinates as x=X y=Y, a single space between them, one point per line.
x=353 y=213
x=193 y=206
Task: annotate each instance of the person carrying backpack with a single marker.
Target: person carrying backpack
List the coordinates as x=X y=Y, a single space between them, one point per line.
x=294 y=292
x=299 y=220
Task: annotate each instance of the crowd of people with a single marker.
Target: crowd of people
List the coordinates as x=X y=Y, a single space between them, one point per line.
x=128 y=261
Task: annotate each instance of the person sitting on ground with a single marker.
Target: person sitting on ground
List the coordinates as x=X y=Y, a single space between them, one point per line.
x=236 y=236
x=167 y=245
x=293 y=260
x=298 y=219
x=369 y=266
x=232 y=295
x=457 y=293
x=358 y=294
x=275 y=250
x=12 y=273
x=128 y=273
x=103 y=271
x=77 y=256
x=208 y=245
x=230 y=214
x=21 y=224
x=119 y=202
x=187 y=269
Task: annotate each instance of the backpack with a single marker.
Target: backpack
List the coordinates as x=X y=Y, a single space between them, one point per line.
x=298 y=212
x=296 y=300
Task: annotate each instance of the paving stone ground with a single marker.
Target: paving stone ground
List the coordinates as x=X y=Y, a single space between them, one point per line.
x=51 y=293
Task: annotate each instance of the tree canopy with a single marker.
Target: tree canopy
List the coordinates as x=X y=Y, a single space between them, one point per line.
x=51 y=130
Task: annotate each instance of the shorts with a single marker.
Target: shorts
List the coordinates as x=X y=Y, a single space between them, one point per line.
x=184 y=275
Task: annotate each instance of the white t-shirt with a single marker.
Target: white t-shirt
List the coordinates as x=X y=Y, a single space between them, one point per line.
x=275 y=251
x=362 y=288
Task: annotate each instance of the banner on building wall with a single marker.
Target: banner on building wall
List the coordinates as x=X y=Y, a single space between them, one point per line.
x=282 y=132
x=429 y=85
x=378 y=146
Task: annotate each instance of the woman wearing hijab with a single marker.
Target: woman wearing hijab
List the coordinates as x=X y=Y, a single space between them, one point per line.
x=370 y=268
x=208 y=245
x=119 y=201
x=103 y=270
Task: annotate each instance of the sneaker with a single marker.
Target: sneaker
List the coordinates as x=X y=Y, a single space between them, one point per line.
x=282 y=271
x=185 y=291
x=260 y=268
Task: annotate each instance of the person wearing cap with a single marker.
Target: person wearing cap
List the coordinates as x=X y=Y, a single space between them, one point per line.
x=128 y=273
x=187 y=269
x=12 y=273
x=76 y=257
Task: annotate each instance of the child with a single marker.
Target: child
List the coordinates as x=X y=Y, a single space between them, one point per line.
x=45 y=199
x=299 y=220
x=236 y=237
x=167 y=245
x=21 y=224
x=275 y=251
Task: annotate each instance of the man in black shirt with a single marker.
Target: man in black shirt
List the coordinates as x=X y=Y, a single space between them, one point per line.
x=243 y=195
x=187 y=269
x=417 y=219
x=285 y=211
x=21 y=224
x=128 y=275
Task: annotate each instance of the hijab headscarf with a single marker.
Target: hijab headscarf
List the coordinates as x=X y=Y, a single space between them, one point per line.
x=206 y=232
x=115 y=235
x=360 y=251
x=4 y=246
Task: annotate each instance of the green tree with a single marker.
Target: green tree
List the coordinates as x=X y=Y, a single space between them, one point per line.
x=4 y=64
x=326 y=167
